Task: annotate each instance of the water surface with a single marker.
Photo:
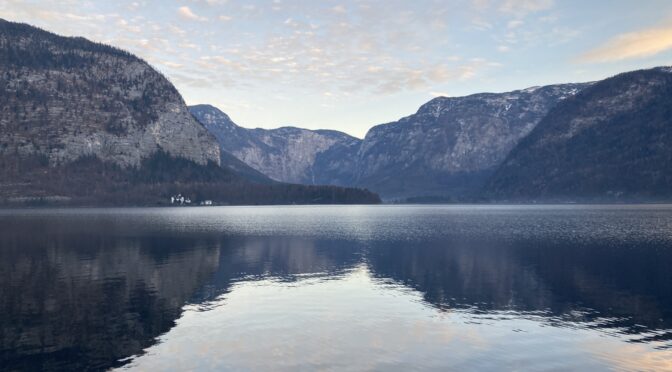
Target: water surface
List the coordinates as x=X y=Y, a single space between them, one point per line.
x=337 y=288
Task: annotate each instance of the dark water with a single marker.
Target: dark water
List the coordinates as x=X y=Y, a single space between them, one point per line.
x=337 y=288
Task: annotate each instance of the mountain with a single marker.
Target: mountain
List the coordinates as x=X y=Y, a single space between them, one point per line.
x=89 y=123
x=611 y=142
x=450 y=147
x=287 y=154
x=445 y=151
x=604 y=141
x=65 y=98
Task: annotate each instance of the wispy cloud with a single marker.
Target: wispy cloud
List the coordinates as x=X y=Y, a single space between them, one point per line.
x=171 y=64
x=525 y=6
x=516 y=7
x=339 y=9
x=186 y=13
x=639 y=44
x=439 y=94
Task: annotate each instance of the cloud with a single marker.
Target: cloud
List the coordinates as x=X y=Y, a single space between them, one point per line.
x=130 y=28
x=368 y=52
x=171 y=64
x=439 y=94
x=514 y=24
x=187 y=13
x=481 y=24
x=525 y=6
x=339 y=9
x=134 y=6
x=176 y=30
x=410 y=77
x=518 y=8
x=637 y=44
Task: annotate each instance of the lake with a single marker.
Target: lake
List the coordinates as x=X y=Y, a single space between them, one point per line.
x=337 y=288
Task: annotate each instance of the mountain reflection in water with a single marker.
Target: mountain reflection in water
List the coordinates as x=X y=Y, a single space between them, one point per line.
x=378 y=287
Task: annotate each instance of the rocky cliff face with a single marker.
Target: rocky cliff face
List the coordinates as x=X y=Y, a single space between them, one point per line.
x=612 y=141
x=451 y=145
x=65 y=98
x=285 y=154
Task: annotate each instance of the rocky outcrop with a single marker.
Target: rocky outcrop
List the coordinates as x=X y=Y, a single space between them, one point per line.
x=66 y=98
x=451 y=145
x=612 y=141
x=287 y=154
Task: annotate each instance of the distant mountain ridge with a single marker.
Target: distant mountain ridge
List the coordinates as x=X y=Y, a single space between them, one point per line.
x=288 y=154
x=448 y=148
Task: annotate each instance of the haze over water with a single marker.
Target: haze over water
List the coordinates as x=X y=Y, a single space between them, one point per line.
x=337 y=288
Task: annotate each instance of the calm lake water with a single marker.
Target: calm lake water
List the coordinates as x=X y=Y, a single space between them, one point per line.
x=337 y=288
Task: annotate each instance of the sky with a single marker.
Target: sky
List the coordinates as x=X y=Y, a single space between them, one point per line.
x=352 y=64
